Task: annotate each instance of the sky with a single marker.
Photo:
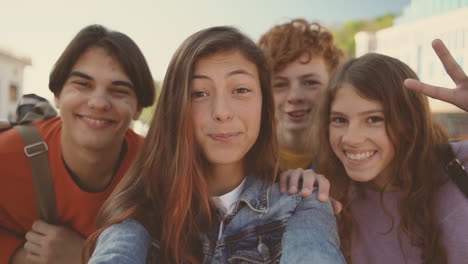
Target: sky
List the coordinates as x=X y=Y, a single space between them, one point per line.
x=42 y=29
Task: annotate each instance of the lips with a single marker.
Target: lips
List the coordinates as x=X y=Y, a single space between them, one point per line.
x=95 y=122
x=224 y=137
x=297 y=115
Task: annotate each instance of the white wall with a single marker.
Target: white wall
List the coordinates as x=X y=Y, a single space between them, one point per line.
x=411 y=43
x=11 y=72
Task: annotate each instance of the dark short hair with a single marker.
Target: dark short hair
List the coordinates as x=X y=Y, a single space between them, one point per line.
x=120 y=46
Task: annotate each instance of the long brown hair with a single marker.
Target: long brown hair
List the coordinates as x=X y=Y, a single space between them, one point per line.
x=419 y=143
x=166 y=189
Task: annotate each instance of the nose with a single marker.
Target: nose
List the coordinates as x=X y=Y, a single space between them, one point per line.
x=295 y=94
x=99 y=100
x=353 y=136
x=221 y=108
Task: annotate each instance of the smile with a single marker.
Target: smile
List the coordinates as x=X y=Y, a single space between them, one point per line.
x=95 y=122
x=298 y=114
x=224 y=137
x=360 y=156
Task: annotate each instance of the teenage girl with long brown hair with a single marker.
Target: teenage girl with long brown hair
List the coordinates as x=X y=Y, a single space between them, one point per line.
x=203 y=189
x=391 y=164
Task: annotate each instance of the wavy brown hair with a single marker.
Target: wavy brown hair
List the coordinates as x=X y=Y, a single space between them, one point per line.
x=419 y=142
x=166 y=189
x=287 y=42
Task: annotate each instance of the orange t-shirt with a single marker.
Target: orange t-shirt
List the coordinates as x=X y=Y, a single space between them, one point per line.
x=76 y=208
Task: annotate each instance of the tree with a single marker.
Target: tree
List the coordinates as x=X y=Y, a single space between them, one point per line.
x=344 y=35
x=147 y=113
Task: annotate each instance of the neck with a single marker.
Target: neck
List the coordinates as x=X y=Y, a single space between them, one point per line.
x=294 y=140
x=93 y=169
x=224 y=178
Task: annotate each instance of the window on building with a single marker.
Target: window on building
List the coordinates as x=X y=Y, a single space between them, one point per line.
x=13 y=93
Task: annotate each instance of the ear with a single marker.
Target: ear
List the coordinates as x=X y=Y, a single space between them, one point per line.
x=137 y=114
x=57 y=101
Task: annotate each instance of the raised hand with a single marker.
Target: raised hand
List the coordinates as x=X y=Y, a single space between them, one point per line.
x=457 y=96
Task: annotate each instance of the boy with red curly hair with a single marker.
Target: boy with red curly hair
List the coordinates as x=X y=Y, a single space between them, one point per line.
x=303 y=58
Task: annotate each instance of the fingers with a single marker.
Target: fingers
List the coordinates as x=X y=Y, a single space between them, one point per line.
x=283 y=181
x=337 y=206
x=451 y=66
x=323 y=187
x=440 y=93
x=33 y=258
x=32 y=248
x=40 y=226
x=294 y=178
x=34 y=237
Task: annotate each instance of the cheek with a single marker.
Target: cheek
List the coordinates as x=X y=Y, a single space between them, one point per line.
x=279 y=99
x=334 y=139
x=389 y=149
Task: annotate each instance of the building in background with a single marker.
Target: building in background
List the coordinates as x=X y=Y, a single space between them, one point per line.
x=11 y=82
x=410 y=41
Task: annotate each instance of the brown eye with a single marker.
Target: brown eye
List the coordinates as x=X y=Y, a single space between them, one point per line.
x=199 y=94
x=375 y=119
x=241 y=90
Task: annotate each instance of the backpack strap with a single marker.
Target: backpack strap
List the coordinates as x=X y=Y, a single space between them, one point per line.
x=37 y=152
x=455 y=168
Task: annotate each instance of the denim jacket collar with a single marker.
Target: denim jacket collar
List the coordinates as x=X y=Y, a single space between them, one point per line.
x=255 y=194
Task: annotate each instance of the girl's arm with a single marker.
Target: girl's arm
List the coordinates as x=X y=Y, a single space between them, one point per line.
x=290 y=182
x=311 y=234
x=123 y=243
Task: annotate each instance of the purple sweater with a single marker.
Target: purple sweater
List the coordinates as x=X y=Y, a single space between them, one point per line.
x=375 y=241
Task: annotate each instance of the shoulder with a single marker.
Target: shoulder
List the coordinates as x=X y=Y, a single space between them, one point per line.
x=125 y=242
x=452 y=203
x=302 y=213
x=10 y=140
x=133 y=139
x=296 y=200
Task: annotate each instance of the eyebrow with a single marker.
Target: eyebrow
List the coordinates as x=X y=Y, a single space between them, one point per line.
x=87 y=77
x=361 y=113
x=300 y=77
x=235 y=72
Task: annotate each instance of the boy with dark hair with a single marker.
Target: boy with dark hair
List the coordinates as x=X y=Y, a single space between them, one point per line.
x=101 y=83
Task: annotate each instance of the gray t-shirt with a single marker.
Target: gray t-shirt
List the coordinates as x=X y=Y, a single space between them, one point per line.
x=375 y=241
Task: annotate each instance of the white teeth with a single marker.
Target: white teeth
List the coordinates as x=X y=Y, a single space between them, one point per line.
x=95 y=121
x=298 y=113
x=359 y=156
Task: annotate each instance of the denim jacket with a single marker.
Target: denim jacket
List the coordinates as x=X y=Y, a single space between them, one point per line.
x=266 y=227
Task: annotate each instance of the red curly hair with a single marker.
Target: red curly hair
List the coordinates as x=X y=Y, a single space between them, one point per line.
x=287 y=42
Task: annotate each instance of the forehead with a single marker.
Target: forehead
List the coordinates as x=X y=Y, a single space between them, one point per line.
x=348 y=99
x=301 y=66
x=100 y=64
x=224 y=62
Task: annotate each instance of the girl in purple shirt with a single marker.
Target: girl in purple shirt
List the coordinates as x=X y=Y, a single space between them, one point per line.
x=391 y=163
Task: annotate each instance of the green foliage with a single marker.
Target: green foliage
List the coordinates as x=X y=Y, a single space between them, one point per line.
x=344 y=35
x=147 y=113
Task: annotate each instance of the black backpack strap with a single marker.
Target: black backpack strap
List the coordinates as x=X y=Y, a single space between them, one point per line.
x=454 y=167
x=37 y=152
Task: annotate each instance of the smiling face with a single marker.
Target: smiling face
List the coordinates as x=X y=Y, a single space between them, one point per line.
x=226 y=107
x=296 y=89
x=358 y=136
x=97 y=102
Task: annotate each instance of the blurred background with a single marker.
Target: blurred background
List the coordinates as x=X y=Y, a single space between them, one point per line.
x=34 y=33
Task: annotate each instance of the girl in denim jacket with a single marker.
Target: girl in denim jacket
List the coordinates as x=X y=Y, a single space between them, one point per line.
x=202 y=189
x=391 y=163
